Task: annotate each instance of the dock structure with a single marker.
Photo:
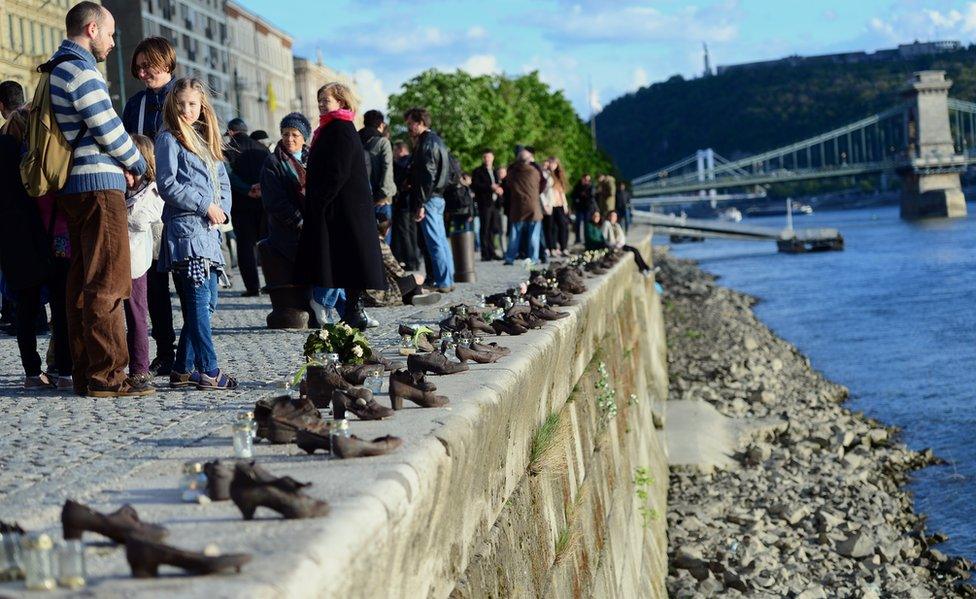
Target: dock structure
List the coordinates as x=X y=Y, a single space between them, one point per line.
x=788 y=240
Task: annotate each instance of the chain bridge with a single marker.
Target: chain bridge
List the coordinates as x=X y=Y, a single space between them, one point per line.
x=927 y=138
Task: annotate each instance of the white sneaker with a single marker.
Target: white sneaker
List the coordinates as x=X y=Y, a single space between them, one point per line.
x=370 y=321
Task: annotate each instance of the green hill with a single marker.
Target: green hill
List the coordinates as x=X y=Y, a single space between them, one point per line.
x=744 y=112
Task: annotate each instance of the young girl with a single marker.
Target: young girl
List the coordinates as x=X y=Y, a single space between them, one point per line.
x=194 y=185
x=145 y=208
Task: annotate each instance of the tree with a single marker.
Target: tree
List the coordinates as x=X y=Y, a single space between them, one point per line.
x=473 y=113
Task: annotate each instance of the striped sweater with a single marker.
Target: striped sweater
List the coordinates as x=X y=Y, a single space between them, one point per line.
x=79 y=93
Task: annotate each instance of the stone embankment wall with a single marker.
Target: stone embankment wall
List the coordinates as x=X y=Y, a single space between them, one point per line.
x=549 y=480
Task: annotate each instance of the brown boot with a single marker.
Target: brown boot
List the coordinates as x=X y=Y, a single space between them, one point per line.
x=278 y=419
x=253 y=488
x=354 y=447
x=77 y=518
x=145 y=555
x=401 y=387
x=219 y=476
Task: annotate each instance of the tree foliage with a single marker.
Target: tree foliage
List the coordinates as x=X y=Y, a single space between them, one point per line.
x=472 y=113
x=748 y=111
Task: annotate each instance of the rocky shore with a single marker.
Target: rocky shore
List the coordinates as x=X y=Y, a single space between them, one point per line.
x=814 y=505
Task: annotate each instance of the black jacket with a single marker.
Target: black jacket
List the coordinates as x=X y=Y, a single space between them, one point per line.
x=246 y=159
x=24 y=244
x=583 y=199
x=283 y=204
x=339 y=246
x=430 y=169
x=481 y=186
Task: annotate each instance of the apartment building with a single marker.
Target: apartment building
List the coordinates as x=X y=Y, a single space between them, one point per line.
x=261 y=75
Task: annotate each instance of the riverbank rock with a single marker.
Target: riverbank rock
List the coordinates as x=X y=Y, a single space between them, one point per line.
x=818 y=507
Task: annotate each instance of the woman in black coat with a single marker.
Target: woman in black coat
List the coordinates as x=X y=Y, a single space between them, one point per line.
x=339 y=247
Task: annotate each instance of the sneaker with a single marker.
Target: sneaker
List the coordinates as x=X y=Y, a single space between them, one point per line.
x=428 y=299
x=142 y=377
x=370 y=321
x=128 y=388
x=41 y=381
x=219 y=382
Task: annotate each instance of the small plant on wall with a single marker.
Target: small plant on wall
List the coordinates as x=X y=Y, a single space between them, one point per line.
x=606 y=398
x=642 y=482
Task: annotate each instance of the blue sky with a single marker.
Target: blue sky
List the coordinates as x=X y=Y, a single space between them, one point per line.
x=619 y=46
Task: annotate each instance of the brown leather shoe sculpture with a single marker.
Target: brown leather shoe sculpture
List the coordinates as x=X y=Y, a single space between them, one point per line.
x=279 y=418
x=503 y=325
x=491 y=347
x=466 y=353
x=146 y=555
x=254 y=487
x=414 y=379
x=346 y=447
x=363 y=406
x=219 y=476
x=77 y=518
x=404 y=385
x=434 y=362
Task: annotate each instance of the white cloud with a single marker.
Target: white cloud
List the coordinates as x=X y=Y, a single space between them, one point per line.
x=371 y=91
x=926 y=25
x=477 y=33
x=481 y=64
x=595 y=104
x=639 y=78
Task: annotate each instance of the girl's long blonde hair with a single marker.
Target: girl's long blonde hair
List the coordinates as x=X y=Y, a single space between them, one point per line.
x=203 y=137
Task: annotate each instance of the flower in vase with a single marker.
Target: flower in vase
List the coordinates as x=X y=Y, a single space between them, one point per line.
x=324 y=335
x=357 y=351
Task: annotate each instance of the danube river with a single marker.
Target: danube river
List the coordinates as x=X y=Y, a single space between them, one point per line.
x=893 y=317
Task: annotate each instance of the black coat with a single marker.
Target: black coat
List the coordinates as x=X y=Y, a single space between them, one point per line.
x=24 y=244
x=284 y=205
x=339 y=246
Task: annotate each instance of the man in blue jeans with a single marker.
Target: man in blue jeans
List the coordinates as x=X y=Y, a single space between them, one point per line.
x=523 y=186
x=429 y=175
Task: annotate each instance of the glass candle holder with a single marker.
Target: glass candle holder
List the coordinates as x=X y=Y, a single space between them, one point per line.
x=193 y=484
x=337 y=428
x=11 y=556
x=243 y=438
x=248 y=416
x=374 y=384
x=462 y=311
x=482 y=301
x=332 y=358
x=507 y=303
x=38 y=562
x=71 y=564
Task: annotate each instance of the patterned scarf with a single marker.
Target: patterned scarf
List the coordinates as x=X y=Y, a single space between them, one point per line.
x=296 y=170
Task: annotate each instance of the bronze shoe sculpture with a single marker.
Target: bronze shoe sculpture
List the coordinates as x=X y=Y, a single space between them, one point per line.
x=77 y=518
x=219 y=476
x=491 y=347
x=414 y=379
x=506 y=326
x=278 y=419
x=466 y=353
x=253 y=487
x=387 y=365
x=434 y=362
x=362 y=405
x=476 y=323
x=354 y=447
x=146 y=555
x=402 y=387
x=547 y=313
x=356 y=374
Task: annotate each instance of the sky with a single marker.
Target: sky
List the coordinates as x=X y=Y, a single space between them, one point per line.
x=593 y=50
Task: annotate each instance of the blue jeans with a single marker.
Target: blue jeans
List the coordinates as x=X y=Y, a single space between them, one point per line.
x=330 y=297
x=436 y=238
x=386 y=209
x=522 y=233
x=195 y=351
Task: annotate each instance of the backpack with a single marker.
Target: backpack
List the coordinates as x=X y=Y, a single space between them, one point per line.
x=47 y=164
x=457 y=197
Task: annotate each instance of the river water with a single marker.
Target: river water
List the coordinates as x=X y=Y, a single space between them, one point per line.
x=892 y=317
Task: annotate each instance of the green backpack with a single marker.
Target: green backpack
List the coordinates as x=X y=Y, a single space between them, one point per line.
x=47 y=164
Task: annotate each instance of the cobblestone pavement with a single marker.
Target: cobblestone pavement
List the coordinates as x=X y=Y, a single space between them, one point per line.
x=57 y=446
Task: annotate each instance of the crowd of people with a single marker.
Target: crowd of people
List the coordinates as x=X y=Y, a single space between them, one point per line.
x=153 y=196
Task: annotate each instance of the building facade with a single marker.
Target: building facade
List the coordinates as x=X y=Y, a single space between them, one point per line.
x=309 y=77
x=196 y=28
x=261 y=74
x=30 y=32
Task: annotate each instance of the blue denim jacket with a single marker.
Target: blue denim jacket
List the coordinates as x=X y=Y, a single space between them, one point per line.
x=184 y=185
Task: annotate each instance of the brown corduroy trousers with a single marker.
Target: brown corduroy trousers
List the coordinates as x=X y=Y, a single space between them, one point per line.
x=98 y=281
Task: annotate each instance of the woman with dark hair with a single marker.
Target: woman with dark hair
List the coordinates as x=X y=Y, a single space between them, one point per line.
x=339 y=246
x=153 y=63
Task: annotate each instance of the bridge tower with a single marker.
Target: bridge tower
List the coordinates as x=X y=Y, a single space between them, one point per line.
x=931 y=171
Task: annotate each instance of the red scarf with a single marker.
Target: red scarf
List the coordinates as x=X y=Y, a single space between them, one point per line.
x=343 y=114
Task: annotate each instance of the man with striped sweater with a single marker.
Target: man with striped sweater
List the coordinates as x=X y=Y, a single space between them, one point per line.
x=104 y=164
